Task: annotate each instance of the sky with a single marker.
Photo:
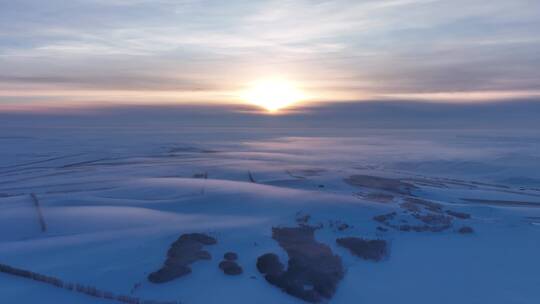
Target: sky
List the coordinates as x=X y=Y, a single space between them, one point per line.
x=93 y=52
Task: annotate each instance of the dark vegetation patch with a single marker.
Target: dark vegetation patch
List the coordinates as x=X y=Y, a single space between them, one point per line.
x=381 y=183
x=201 y=175
x=466 y=230
x=410 y=206
x=422 y=215
x=230 y=256
x=229 y=264
x=313 y=270
x=428 y=205
x=421 y=228
x=230 y=267
x=374 y=250
x=186 y=250
x=502 y=203
x=338 y=225
x=490 y=185
x=434 y=219
x=384 y=218
x=312 y=171
x=427 y=182
x=343 y=227
x=460 y=215
x=379 y=197
x=303 y=173
x=376 y=197
x=269 y=264
x=302 y=219
x=459 y=183
x=448 y=182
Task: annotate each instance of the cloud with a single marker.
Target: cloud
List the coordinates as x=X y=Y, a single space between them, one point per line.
x=341 y=49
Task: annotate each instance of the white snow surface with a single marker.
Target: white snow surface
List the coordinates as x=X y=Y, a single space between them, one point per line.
x=114 y=200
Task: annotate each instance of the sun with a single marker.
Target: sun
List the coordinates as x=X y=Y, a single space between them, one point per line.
x=272 y=95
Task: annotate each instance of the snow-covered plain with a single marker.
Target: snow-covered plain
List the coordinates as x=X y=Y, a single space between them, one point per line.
x=114 y=199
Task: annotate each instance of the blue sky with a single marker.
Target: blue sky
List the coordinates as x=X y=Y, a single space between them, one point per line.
x=105 y=51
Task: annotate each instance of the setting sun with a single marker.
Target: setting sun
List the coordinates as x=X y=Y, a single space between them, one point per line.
x=272 y=95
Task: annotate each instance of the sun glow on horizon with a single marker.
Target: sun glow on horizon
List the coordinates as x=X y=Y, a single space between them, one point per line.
x=272 y=95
